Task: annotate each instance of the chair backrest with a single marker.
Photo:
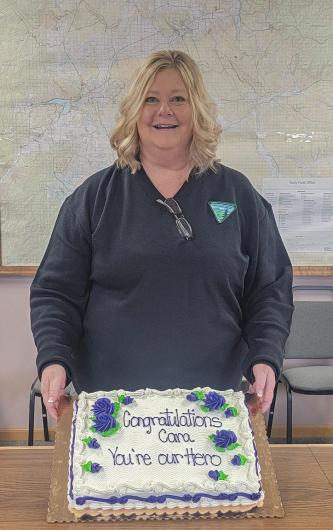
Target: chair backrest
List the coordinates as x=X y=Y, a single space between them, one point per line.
x=311 y=334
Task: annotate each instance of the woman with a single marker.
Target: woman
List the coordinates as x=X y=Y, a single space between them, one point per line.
x=165 y=269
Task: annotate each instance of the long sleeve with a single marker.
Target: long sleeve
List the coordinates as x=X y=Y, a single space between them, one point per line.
x=268 y=300
x=59 y=291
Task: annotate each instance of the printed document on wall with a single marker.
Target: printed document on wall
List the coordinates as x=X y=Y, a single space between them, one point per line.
x=303 y=209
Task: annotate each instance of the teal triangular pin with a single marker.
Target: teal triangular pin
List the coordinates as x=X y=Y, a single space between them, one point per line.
x=222 y=210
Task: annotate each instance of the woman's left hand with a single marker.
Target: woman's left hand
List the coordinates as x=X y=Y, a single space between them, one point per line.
x=263 y=385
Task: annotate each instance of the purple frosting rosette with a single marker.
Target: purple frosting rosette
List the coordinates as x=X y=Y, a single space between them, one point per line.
x=128 y=400
x=214 y=401
x=93 y=444
x=95 y=467
x=236 y=461
x=104 y=422
x=103 y=406
x=91 y=467
x=105 y=412
x=192 y=397
x=224 y=438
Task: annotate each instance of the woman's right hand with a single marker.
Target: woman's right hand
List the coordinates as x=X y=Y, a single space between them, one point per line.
x=53 y=384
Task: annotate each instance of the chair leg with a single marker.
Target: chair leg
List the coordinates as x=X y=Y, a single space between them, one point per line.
x=289 y=416
x=271 y=412
x=31 y=418
x=45 y=425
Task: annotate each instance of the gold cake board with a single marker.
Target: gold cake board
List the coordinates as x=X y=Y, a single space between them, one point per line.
x=58 y=504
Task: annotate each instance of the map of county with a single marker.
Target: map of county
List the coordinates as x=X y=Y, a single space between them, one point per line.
x=65 y=65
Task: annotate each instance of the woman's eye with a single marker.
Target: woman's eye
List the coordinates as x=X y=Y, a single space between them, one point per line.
x=174 y=99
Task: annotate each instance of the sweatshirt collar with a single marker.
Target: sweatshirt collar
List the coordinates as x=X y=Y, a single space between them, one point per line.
x=153 y=192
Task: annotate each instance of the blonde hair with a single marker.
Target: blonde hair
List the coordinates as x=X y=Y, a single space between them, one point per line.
x=206 y=131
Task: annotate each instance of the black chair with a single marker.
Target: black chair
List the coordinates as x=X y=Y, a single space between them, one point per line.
x=311 y=337
x=35 y=391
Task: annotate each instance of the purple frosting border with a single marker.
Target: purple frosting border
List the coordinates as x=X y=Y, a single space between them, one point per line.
x=71 y=474
x=162 y=498
x=156 y=498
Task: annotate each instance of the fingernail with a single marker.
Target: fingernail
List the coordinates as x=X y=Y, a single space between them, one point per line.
x=50 y=400
x=259 y=393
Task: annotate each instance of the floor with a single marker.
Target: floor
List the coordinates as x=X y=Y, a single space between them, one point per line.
x=326 y=440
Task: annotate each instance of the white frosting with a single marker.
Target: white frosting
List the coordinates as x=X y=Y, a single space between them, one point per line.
x=146 y=476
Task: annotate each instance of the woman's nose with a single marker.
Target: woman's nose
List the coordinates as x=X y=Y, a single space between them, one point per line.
x=164 y=108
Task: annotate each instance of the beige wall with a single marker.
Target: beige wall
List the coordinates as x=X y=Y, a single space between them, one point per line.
x=17 y=353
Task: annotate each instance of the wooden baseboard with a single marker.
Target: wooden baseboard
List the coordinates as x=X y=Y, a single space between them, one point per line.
x=22 y=434
x=303 y=431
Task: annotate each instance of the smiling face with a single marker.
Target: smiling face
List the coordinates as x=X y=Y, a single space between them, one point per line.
x=166 y=103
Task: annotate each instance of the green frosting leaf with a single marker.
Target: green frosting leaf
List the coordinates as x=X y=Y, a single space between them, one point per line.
x=212 y=437
x=93 y=429
x=200 y=394
x=117 y=427
x=106 y=434
x=243 y=459
x=87 y=440
x=204 y=408
x=234 y=411
x=121 y=398
x=92 y=418
x=220 y=449
x=233 y=446
x=222 y=476
x=225 y=406
x=87 y=466
x=116 y=409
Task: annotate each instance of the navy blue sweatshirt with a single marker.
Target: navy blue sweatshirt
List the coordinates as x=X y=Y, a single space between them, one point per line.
x=122 y=300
